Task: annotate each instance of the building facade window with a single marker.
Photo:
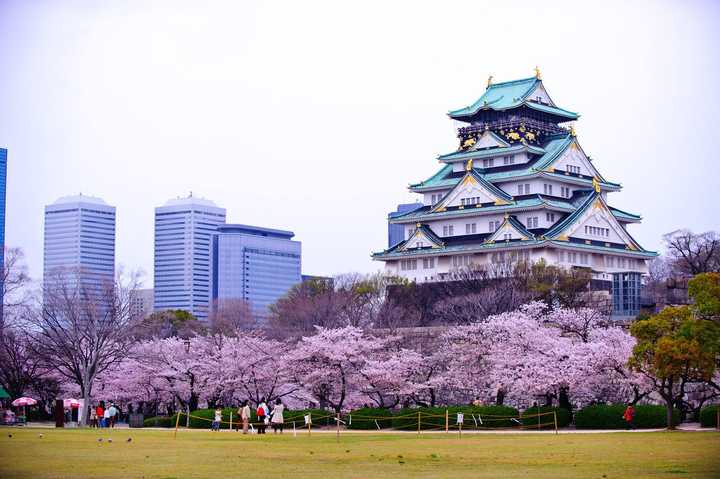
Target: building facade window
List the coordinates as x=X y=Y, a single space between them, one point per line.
x=428 y=263
x=547 y=189
x=470 y=228
x=461 y=260
x=565 y=192
x=489 y=163
x=509 y=160
x=532 y=222
x=408 y=264
x=493 y=226
x=448 y=230
x=626 y=294
x=550 y=217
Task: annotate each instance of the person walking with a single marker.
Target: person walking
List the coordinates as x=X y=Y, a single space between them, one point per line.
x=218 y=419
x=262 y=415
x=106 y=418
x=244 y=413
x=93 y=417
x=277 y=419
x=629 y=416
x=113 y=414
x=100 y=412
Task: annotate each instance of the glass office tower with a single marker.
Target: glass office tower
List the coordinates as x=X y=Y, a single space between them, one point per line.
x=258 y=265
x=3 y=184
x=183 y=231
x=80 y=243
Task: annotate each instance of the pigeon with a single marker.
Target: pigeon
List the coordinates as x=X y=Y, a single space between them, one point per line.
x=9 y=435
x=99 y=439
x=40 y=436
x=129 y=439
x=109 y=440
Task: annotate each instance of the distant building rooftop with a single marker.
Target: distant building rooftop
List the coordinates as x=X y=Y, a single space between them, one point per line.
x=80 y=198
x=190 y=200
x=255 y=231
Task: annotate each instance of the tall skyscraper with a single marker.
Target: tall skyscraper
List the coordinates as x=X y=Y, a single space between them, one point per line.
x=258 y=265
x=80 y=242
x=519 y=187
x=3 y=187
x=183 y=230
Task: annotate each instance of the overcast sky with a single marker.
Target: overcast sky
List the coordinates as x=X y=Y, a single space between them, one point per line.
x=315 y=116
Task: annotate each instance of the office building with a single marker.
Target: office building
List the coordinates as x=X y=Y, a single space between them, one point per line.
x=258 y=265
x=396 y=232
x=183 y=233
x=3 y=188
x=141 y=303
x=80 y=243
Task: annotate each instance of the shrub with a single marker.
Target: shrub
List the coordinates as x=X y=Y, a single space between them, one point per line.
x=708 y=415
x=365 y=418
x=611 y=417
x=530 y=418
x=482 y=417
x=159 y=421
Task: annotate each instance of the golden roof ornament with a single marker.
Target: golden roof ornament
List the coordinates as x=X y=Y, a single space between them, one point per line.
x=469 y=165
x=418 y=225
x=490 y=79
x=537 y=73
x=469 y=142
x=596 y=184
x=573 y=133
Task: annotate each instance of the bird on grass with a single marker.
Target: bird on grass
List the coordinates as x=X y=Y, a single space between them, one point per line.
x=99 y=439
x=129 y=439
x=109 y=440
x=9 y=435
x=40 y=436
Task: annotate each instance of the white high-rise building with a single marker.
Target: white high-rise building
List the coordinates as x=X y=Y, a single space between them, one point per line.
x=79 y=242
x=183 y=231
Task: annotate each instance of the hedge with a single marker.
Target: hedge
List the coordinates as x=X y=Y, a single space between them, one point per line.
x=708 y=416
x=530 y=418
x=364 y=418
x=611 y=417
x=159 y=421
x=482 y=417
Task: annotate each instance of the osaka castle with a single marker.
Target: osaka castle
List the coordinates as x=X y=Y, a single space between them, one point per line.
x=519 y=187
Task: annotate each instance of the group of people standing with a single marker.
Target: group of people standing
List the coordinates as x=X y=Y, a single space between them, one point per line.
x=104 y=417
x=265 y=417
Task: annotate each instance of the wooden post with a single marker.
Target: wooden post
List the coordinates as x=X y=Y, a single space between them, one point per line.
x=337 y=420
x=177 y=423
x=460 y=429
x=309 y=426
x=555 y=419
x=231 y=421
x=418 y=422
x=447 y=422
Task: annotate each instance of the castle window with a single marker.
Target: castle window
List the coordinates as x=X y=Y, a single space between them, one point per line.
x=550 y=217
x=532 y=222
x=470 y=228
x=509 y=160
x=428 y=263
x=493 y=226
x=547 y=189
x=489 y=163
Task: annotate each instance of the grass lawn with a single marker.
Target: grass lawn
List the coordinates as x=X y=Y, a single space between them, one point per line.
x=154 y=454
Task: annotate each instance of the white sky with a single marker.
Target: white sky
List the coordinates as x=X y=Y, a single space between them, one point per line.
x=314 y=116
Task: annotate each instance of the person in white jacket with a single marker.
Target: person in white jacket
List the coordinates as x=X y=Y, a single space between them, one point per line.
x=277 y=420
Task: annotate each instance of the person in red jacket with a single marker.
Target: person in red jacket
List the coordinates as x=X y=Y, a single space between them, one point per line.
x=100 y=411
x=629 y=416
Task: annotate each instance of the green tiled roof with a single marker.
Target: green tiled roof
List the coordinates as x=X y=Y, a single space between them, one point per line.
x=480 y=246
x=624 y=214
x=525 y=203
x=593 y=247
x=510 y=94
x=490 y=152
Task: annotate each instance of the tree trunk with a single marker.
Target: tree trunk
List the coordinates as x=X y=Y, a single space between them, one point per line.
x=669 y=413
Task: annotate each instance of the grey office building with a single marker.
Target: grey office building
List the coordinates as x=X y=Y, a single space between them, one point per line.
x=396 y=232
x=79 y=243
x=183 y=234
x=258 y=265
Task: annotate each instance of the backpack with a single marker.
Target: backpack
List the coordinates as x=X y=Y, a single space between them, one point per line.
x=260 y=411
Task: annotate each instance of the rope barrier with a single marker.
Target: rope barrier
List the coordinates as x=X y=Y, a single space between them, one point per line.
x=419 y=420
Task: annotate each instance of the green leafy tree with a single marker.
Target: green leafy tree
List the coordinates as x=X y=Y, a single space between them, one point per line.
x=704 y=289
x=675 y=348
